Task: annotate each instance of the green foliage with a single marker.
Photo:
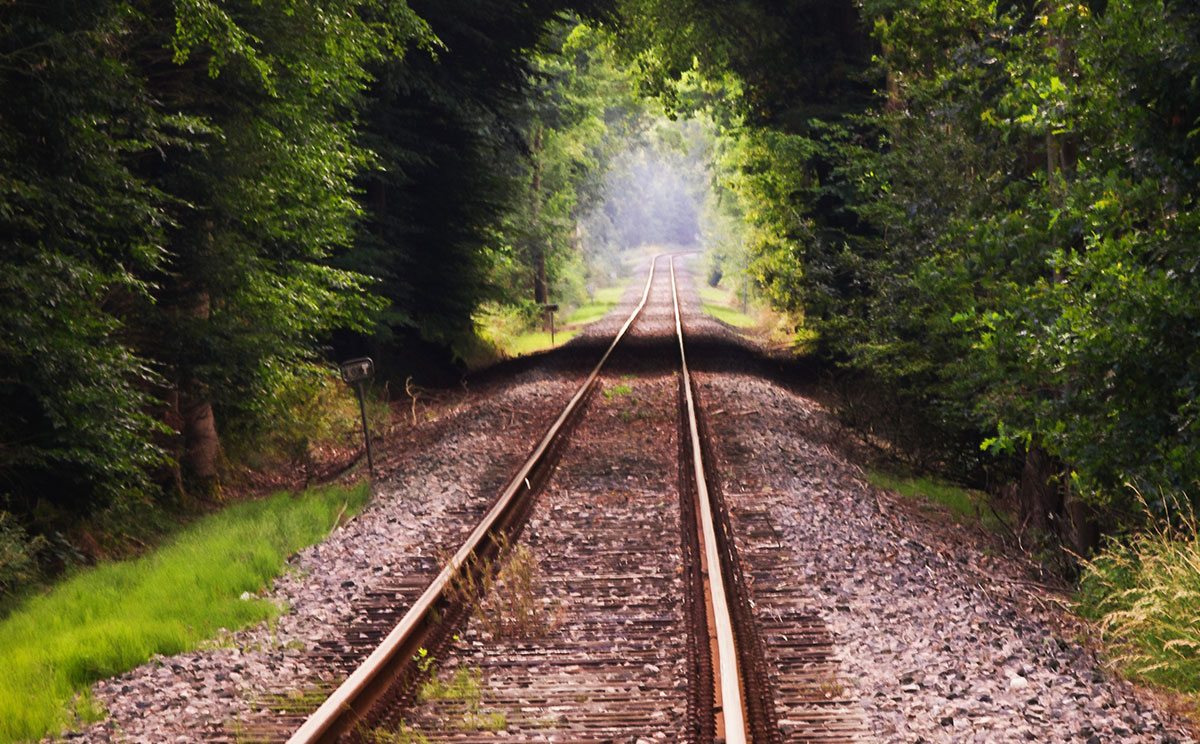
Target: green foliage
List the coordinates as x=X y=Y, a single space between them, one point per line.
x=1144 y=593
x=105 y=620
x=18 y=552
x=1032 y=292
x=173 y=179
x=790 y=60
x=78 y=227
x=300 y=410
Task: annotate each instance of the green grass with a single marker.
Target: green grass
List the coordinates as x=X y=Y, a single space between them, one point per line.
x=603 y=300
x=965 y=505
x=105 y=620
x=722 y=304
x=616 y=391
x=464 y=684
x=715 y=295
x=728 y=315
x=1144 y=594
x=527 y=343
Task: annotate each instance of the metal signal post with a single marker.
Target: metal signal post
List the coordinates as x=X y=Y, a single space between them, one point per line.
x=357 y=372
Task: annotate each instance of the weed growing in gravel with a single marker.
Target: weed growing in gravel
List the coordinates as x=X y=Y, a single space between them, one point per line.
x=825 y=689
x=1144 y=593
x=465 y=686
x=462 y=685
x=506 y=603
x=491 y=721
x=108 y=619
x=616 y=391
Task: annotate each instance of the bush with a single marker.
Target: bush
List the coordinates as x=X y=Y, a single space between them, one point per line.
x=300 y=410
x=18 y=551
x=497 y=327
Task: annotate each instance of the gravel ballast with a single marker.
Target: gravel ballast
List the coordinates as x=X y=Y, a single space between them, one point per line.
x=938 y=643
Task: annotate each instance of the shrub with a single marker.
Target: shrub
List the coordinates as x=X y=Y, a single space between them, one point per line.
x=18 y=551
x=299 y=410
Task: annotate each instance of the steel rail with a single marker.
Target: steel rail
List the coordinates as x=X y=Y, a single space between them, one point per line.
x=356 y=695
x=732 y=708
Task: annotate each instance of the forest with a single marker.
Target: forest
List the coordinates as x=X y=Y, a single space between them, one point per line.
x=981 y=217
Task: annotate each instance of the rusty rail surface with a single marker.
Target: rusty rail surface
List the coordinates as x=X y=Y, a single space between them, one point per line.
x=342 y=710
x=730 y=702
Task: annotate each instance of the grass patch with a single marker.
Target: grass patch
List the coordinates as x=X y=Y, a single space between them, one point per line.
x=527 y=343
x=106 y=620
x=1143 y=592
x=964 y=504
x=715 y=295
x=465 y=686
x=722 y=304
x=728 y=315
x=603 y=300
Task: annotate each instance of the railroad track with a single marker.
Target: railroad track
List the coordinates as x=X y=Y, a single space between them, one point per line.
x=630 y=610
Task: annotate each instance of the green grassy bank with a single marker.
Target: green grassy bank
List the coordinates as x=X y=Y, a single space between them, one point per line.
x=722 y=304
x=603 y=300
x=108 y=619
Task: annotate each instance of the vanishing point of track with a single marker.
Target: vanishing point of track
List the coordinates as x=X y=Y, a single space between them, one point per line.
x=661 y=631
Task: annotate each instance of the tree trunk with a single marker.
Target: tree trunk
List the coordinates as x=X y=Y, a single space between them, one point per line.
x=201 y=444
x=541 y=291
x=1082 y=532
x=537 y=253
x=1039 y=496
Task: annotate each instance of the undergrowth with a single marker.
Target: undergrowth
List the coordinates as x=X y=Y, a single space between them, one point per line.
x=300 y=411
x=1143 y=592
x=512 y=330
x=105 y=620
